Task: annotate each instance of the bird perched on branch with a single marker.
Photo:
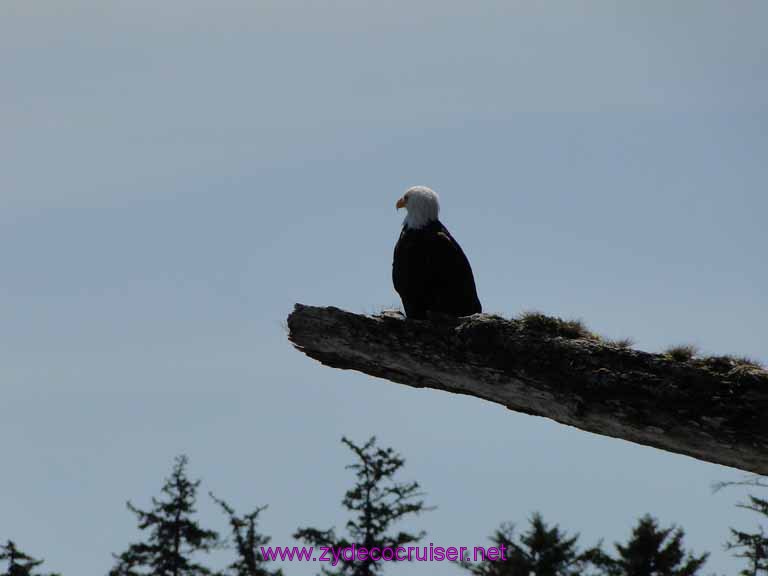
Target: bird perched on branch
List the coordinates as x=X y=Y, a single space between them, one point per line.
x=429 y=269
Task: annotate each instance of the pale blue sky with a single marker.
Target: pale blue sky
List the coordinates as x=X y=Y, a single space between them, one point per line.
x=176 y=175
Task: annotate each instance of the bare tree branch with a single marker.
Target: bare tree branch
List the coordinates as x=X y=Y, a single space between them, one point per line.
x=714 y=409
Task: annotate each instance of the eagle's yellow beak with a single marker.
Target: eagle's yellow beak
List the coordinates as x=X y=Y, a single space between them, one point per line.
x=400 y=203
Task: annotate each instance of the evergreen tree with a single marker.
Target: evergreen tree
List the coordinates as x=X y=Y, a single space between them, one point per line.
x=377 y=502
x=751 y=545
x=18 y=563
x=652 y=551
x=541 y=551
x=174 y=537
x=247 y=543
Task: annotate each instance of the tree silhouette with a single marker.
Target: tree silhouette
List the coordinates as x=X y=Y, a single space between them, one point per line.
x=652 y=551
x=750 y=545
x=19 y=563
x=377 y=502
x=173 y=536
x=542 y=551
x=247 y=543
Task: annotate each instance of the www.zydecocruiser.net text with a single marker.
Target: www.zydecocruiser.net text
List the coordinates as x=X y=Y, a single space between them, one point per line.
x=356 y=553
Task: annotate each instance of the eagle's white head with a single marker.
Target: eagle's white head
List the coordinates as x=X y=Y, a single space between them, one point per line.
x=422 y=205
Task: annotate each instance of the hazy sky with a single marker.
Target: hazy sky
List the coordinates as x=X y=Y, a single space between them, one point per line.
x=176 y=175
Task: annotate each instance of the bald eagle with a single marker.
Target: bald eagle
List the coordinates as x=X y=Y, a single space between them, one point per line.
x=429 y=269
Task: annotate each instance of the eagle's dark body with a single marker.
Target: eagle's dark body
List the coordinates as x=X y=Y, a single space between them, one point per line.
x=432 y=274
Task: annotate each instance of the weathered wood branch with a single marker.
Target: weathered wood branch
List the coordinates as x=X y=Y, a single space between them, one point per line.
x=713 y=409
